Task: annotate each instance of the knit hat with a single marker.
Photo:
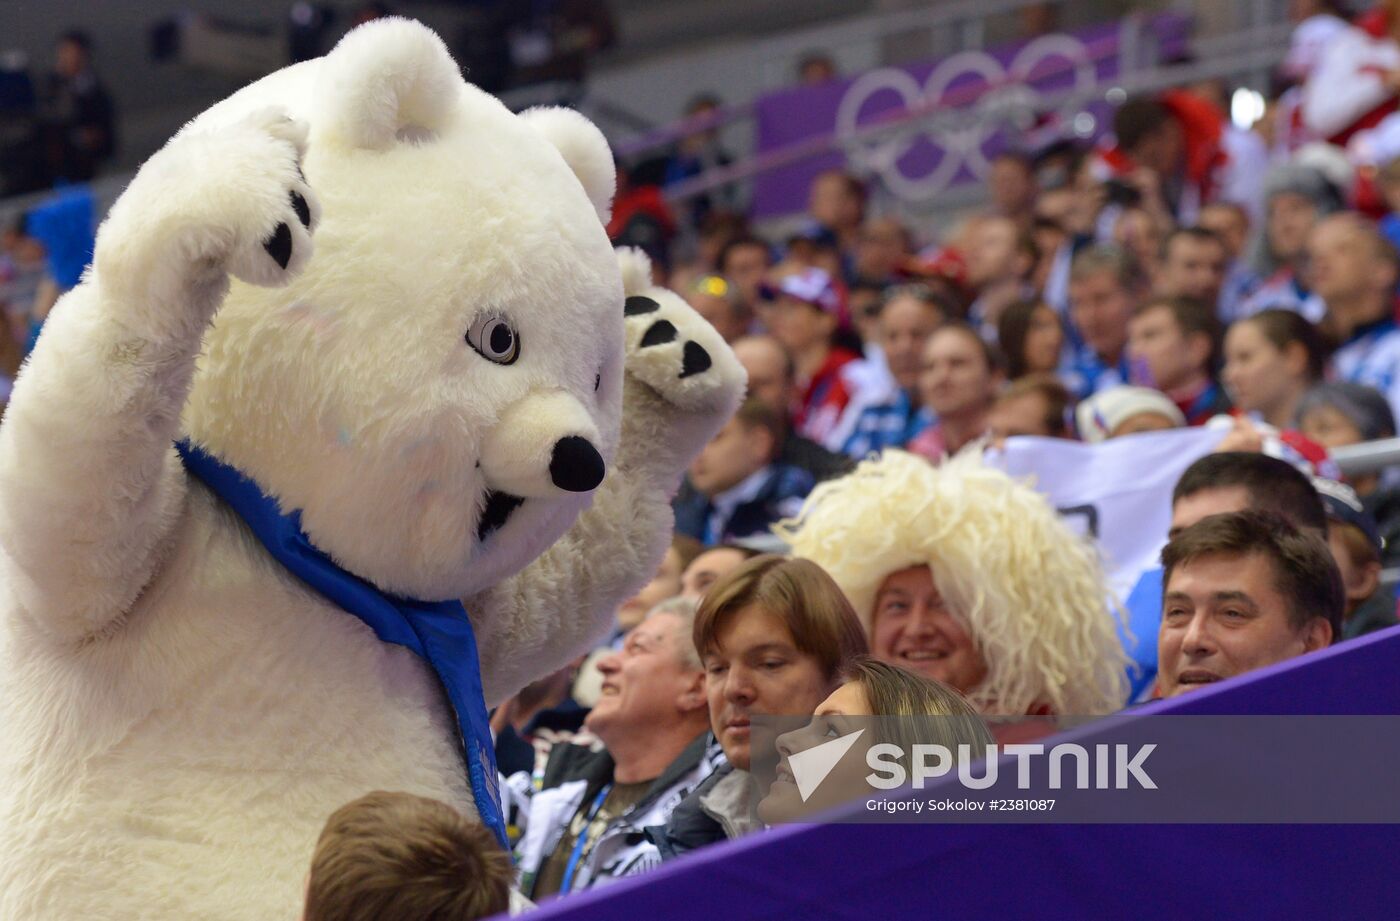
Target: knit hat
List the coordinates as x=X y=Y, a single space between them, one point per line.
x=1101 y=414
x=1305 y=181
x=1365 y=407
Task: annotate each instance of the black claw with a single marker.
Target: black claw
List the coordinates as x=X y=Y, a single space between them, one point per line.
x=637 y=305
x=302 y=209
x=660 y=333
x=694 y=359
x=279 y=245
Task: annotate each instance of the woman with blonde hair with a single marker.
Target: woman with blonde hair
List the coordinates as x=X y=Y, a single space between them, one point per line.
x=964 y=575
x=909 y=710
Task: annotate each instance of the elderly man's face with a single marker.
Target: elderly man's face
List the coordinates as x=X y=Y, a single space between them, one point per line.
x=648 y=682
x=1224 y=615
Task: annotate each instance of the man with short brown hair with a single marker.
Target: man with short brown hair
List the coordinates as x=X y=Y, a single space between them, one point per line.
x=1241 y=591
x=738 y=487
x=396 y=855
x=1174 y=347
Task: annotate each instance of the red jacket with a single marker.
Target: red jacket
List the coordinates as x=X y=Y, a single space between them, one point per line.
x=1202 y=125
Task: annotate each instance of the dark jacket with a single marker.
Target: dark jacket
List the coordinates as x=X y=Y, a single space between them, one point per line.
x=778 y=497
x=1375 y=613
x=717 y=810
x=806 y=454
x=573 y=777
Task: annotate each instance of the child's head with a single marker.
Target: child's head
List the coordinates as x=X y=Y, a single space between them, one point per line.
x=396 y=855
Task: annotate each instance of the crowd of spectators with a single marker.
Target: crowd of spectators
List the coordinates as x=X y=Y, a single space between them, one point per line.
x=843 y=547
x=1184 y=273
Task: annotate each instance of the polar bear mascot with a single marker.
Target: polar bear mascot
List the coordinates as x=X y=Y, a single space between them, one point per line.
x=355 y=395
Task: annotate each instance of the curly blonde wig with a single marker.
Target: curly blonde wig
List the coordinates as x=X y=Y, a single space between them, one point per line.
x=1029 y=590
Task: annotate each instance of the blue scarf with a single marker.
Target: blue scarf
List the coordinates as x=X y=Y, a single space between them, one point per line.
x=438 y=631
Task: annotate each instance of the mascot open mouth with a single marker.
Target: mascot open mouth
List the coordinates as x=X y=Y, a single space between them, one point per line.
x=499 y=505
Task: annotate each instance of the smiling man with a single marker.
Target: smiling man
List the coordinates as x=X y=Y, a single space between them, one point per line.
x=1242 y=591
x=584 y=826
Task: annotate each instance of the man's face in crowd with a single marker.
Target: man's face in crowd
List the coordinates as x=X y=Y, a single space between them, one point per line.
x=648 y=682
x=955 y=377
x=1224 y=615
x=1024 y=414
x=716 y=310
x=1289 y=218
x=1344 y=266
x=1137 y=232
x=69 y=58
x=1012 y=186
x=911 y=627
x=732 y=456
x=880 y=248
x=766 y=365
x=1160 y=354
x=834 y=204
x=799 y=325
x=1193 y=267
x=1228 y=223
x=1192 y=507
x=665 y=584
x=744 y=266
x=707 y=569
x=905 y=325
x=992 y=255
x=755 y=668
x=1099 y=308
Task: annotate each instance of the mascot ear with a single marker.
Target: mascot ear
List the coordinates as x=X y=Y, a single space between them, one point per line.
x=584 y=148
x=390 y=80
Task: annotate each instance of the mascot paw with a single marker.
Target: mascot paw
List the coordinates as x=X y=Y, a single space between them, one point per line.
x=233 y=197
x=673 y=351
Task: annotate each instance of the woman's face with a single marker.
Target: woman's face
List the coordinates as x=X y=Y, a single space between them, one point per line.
x=913 y=628
x=835 y=717
x=1257 y=372
x=755 y=668
x=1044 y=340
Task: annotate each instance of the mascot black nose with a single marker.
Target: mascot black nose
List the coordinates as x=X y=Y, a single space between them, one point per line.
x=576 y=466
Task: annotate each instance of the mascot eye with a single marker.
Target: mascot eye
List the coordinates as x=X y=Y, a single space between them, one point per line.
x=495 y=340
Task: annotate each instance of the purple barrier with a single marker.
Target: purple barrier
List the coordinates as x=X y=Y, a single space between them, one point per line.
x=854 y=871
x=1013 y=76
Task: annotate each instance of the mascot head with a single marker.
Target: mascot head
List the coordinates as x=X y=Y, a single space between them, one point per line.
x=439 y=391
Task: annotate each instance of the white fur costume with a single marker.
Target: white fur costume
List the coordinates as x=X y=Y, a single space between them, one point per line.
x=178 y=714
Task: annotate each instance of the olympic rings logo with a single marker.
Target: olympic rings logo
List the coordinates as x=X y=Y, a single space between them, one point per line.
x=1010 y=93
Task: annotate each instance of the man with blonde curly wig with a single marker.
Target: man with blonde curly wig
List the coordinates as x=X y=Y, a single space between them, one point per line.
x=963 y=574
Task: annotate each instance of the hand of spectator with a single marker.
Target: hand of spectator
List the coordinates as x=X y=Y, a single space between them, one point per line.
x=1244 y=436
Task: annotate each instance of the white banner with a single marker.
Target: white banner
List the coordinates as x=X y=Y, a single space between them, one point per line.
x=1119 y=491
